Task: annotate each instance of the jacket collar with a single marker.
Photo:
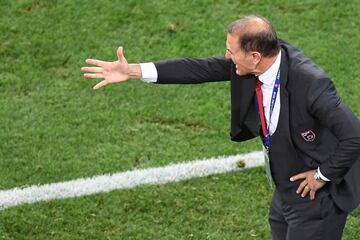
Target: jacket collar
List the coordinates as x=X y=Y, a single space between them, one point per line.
x=268 y=77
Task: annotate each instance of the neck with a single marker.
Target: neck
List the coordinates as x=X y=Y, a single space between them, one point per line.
x=264 y=65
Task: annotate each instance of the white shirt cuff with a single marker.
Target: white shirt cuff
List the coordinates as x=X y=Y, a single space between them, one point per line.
x=322 y=176
x=149 y=72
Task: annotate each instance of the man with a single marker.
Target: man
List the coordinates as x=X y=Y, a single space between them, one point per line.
x=311 y=139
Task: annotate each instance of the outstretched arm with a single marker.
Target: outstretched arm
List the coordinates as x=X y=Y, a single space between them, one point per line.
x=179 y=71
x=193 y=70
x=111 y=72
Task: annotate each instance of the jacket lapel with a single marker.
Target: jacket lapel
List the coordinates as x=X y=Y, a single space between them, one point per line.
x=284 y=69
x=284 y=96
x=244 y=120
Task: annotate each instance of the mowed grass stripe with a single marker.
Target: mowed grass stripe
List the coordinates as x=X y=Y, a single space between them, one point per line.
x=128 y=179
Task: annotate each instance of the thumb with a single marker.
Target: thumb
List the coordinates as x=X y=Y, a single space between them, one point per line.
x=297 y=177
x=120 y=54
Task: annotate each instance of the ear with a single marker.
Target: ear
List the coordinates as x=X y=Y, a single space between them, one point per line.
x=256 y=56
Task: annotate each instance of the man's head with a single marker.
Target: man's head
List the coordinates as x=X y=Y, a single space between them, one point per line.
x=251 y=44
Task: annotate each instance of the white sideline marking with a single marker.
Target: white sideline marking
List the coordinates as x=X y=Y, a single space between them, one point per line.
x=129 y=179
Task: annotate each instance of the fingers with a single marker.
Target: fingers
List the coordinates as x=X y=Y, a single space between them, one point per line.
x=305 y=191
x=297 y=177
x=309 y=185
x=120 y=54
x=301 y=187
x=100 y=85
x=95 y=62
x=94 y=75
x=92 y=69
x=312 y=195
x=94 y=72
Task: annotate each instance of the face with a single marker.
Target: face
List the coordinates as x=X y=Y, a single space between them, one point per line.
x=246 y=63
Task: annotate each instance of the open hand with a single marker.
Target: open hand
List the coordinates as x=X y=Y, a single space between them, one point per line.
x=110 y=72
x=308 y=185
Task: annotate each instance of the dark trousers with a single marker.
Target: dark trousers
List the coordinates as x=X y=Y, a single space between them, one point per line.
x=319 y=219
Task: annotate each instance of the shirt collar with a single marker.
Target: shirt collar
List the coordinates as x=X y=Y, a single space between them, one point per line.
x=268 y=77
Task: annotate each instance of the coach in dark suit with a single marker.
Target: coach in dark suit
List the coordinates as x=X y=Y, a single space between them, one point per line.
x=311 y=138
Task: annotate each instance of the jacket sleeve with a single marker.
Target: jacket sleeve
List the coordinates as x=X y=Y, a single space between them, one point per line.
x=193 y=70
x=325 y=104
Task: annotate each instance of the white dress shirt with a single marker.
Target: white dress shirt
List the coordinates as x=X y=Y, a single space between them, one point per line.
x=149 y=72
x=268 y=79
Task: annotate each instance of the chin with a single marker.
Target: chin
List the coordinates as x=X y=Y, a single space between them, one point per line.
x=240 y=73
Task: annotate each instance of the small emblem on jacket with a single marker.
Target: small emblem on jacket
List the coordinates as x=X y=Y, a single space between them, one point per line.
x=308 y=136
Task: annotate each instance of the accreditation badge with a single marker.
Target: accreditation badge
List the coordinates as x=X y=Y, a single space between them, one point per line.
x=267 y=168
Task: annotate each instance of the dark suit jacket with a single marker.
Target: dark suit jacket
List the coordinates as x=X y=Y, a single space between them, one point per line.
x=313 y=104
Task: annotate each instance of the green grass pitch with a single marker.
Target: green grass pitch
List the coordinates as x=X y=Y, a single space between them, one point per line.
x=54 y=127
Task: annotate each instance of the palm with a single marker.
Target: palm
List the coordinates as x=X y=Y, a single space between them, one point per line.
x=110 y=72
x=115 y=71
